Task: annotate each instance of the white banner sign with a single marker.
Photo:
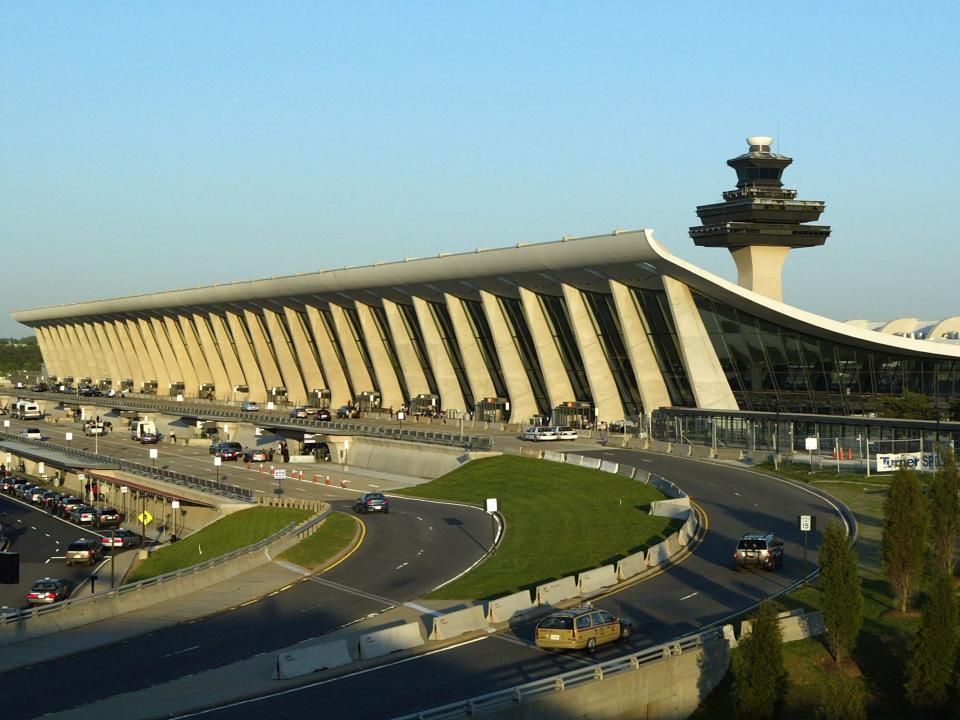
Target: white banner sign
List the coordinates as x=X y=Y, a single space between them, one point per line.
x=925 y=462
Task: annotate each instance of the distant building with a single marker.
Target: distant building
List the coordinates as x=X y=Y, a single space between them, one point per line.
x=578 y=330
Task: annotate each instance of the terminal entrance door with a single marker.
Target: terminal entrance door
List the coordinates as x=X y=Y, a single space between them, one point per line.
x=320 y=398
x=573 y=414
x=369 y=401
x=494 y=409
x=425 y=404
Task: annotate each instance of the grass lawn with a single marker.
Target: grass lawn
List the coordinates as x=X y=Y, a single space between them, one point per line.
x=220 y=538
x=335 y=534
x=560 y=520
x=882 y=648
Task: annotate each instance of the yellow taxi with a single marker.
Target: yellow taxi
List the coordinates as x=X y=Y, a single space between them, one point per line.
x=580 y=628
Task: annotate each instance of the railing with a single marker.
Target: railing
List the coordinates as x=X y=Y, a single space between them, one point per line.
x=510 y=697
x=182 y=479
x=27 y=613
x=214 y=412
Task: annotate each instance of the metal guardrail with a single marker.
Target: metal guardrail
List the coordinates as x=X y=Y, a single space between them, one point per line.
x=215 y=412
x=27 y=613
x=510 y=697
x=191 y=481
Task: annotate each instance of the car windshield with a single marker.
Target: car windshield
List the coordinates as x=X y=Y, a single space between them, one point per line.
x=374 y=496
x=78 y=546
x=45 y=585
x=752 y=545
x=557 y=622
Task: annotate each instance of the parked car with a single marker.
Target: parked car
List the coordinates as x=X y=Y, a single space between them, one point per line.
x=227 y=450
x=256 y=455
x=90 y=392
x=323 y=415
x=50 y=499
x=84 y=550
x=538 y=433
x=121 y=538
x=580 y=628
x=250 y=406
x=347 y=412
x=299 y=412
x=25 y=490
x=48 y=590
x=7 y=482
x=107 y=517
x=36 y=494
x=150 y=438
x=764 y=551
x=40 y=387
x=82 y=515
x=564 y=432
x=372 y=502
x=66 y=504
x=32 y=433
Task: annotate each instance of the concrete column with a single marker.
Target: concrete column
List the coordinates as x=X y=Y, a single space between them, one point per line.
x=194 y=350
x=45 y=351
x=175 y=373
x=73 y=360
x=231 y=360
x=451 y=396
x=406 y=353
x=653 y=389
x=359 y=377
x=707 y=380
x=91 y=350
x=389 y=386
x=268 y=367
x=119 y=352
x=337 y=383
x=312 y=373
x=760 y=269
x=288 y=367
x=214 y=362
x=188 y=373
x=81 y=352
x=251 y=370
x=555 y=374
x=481 y=384
x=137 y=374
x=161 y=366
x=523 y=405
x=603 y=388
x=55 y=342
x=149 y=363
x=109 y=356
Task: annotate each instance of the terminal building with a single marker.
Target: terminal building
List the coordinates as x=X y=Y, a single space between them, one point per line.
x=578 y=331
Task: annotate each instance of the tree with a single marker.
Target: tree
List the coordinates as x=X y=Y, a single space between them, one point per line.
x=903 y=545
x=841 y=699
x=842 y=599
x=915 y=406
x=930 y=672
x=758 y=673
x=945 y=513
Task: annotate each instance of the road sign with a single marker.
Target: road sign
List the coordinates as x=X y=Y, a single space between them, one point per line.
x=279 y=474
x=807 y=522
x=810 y=443
x=218 y=461
x=145 y=518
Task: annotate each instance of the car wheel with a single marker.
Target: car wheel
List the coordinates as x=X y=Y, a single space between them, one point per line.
x=69 y=563
x=625 y=631
x=591 y=645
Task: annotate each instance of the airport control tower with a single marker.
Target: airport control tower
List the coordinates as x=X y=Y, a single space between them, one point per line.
x=760 y=221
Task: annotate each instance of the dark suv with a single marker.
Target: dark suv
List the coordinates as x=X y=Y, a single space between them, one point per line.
x=84 y=550
x=765 y=551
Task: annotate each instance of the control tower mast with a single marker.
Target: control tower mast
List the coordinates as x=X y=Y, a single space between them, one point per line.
x=760 y=221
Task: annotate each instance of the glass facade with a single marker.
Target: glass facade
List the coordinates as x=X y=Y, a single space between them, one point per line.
x=654 y=310
x=517 y=322
x=481 y=331
x=555 y=310
x=327 y=317
x=409 y=316
x=441 y=317
x=383 y=329
x=606 y=323
x=353 y=320
x=773 y=368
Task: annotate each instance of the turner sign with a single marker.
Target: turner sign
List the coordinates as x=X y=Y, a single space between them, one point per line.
x=925 y=462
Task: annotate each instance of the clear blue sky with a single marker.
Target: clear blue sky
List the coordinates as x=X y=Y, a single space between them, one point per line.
x=155 y=146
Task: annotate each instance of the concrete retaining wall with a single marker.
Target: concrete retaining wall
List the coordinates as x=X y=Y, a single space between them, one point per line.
x=794 y=627
x=389 y=640
x=557 y=591
x=428 y=461
x=502 y=609
x=632 y=565
x=450 y=625
x=593 y=580
x=657 y=555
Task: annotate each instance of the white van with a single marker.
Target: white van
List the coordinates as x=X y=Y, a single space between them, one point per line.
x=139 y=428
x=26 y=410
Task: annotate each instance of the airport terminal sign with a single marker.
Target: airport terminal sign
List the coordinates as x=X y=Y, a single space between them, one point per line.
x=925 y=462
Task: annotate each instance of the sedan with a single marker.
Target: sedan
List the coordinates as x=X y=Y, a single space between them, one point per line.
x=36 y=494
x=256 y=455
x=121 y=538
x=48 y=590
x=323 y=415
x=150 y=438
x=539 y=433
x=299 y=412
x=24 y=490
x=6 y=483
x=66 y=504
x=108 y=517
x=83 y=515
x=372 y=502
x=250 y=406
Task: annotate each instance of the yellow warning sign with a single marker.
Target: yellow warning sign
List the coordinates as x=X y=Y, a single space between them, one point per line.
x=145 y=517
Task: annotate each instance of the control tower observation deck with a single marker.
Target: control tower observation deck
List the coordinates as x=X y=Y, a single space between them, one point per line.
x=760 y=221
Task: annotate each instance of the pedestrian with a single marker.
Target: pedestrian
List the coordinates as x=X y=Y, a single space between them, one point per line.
x=285 y=451
x=270 y=454
x=173 y=437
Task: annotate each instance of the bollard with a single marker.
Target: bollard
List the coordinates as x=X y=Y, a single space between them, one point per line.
x=315 y=476
x=327 y=481
x=344 y=483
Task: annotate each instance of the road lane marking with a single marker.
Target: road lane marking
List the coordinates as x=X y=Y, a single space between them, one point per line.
x=400 y=566
x=687 y=597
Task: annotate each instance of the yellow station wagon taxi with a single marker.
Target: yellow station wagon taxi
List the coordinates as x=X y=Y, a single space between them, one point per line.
x=580 y=628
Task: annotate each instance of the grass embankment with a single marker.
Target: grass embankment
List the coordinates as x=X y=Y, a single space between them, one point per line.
x=882 y=650
x=333 y=536
x=220 y=538
x=560 y=520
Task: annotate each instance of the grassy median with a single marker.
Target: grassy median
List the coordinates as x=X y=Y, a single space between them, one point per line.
x=231 y=533
x=560 y=520
x=332 y=537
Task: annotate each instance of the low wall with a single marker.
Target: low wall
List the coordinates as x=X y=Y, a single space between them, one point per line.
x=424 y=461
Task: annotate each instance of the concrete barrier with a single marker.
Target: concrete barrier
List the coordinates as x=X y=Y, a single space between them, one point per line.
x=502 y=609
x=632 y=565
x=389 y=640
x=306 y=659
x=450 y=625
x=675 y=508
x=657 y=555
x=590 y=462
x=557 y=591
x=593 y=580
x=609 y=466
x=673 y=546
x=642 y=476
x=793 y=627
x=531 y=452
x=573 y=459
x=553 y=456
x=666 y=487
x=729 y=635
x=627 y=471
